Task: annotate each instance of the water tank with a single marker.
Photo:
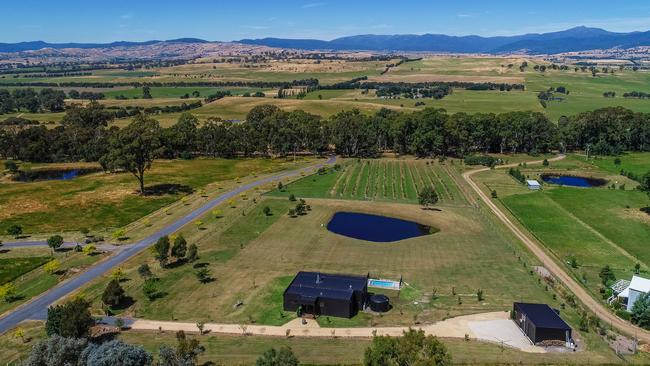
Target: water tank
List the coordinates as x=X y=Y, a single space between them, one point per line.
x=379 y=303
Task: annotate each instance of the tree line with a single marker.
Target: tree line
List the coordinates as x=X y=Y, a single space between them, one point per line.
x=31 y=101
x=269 y=131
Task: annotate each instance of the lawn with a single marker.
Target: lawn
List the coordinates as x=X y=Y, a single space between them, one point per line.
x=111 y=200
x=635 y=163
x=12 y=268
x=32 y=280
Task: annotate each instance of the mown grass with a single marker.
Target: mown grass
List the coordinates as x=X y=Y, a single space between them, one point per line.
x=635 y=163
x=12 y=268
x=36 y=281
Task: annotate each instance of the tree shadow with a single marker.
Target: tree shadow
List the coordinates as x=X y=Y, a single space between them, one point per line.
x=16 y=298
x=201 y=265
x=22 y=236
x=63 y=250
x=126 y=303
x=2 y=251
x=167 y=188
x=176 y=263
x=645 y=209
x=431 y=209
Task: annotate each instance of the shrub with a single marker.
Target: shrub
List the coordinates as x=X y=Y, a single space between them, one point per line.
x=89 y=249
x=15 y=230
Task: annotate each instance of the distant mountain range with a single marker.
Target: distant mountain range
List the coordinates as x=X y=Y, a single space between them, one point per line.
x=37 y=45
x=574 y=39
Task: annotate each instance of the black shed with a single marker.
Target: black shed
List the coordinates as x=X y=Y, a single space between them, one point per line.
x=541 y=323
x=326 y=294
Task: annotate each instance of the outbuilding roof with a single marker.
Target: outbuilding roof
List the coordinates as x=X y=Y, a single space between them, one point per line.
x=532 y=182
x=542 y=315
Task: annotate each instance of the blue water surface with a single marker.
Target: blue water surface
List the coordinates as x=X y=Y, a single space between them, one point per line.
x=375 y=228
x=567 y=180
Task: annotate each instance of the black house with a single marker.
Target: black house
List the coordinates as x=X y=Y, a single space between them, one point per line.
x=540 y=322
x=326 y=294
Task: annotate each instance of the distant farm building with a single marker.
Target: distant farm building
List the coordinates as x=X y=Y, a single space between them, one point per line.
x=630 y=294
x=533 y=185
x=541 y=323
x=326 y=294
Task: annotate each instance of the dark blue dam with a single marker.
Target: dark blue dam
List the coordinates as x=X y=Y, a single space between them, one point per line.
x=568 y=180
x=375 y=228
x=55 y=174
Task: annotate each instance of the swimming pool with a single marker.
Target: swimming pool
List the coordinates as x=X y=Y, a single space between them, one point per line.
x=387 y=284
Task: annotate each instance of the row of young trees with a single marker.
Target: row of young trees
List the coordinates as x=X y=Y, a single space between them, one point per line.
x=84 y=135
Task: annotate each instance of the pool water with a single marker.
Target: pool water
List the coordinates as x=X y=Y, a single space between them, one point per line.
x=375 y=228
x=573 y=181
x=380 y=283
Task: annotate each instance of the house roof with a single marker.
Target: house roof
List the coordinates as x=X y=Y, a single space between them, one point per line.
x=640 y=284
x=335 y=286
x=532 y=182
x=542 y=316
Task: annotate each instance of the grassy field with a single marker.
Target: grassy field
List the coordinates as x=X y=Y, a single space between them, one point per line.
x=12 y=268
x=637 y=163
x=585 y=91
x=596 y=226
x=253 y=257
x=177 y=92
x=31 y=279
x=111 y=200
x=380 y=180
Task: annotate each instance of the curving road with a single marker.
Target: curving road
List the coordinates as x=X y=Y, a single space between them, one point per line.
x=592 y=304
x=37 y=307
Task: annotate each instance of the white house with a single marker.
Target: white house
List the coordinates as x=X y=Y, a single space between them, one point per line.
x=533 y=185
x=638 y=286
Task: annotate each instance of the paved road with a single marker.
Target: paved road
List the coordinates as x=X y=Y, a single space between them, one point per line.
x=37 y=308
x=581 y=293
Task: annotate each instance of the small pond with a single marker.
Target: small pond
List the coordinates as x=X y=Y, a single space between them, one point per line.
x=52 y=174
x=376 y=228
x=569 y=180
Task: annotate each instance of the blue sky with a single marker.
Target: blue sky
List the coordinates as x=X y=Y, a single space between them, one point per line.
x=106 y=21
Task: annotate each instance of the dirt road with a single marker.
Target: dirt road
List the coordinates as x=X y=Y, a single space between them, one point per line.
x=536 y=248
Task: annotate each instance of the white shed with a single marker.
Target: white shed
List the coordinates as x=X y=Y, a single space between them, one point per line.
x=533 y=185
